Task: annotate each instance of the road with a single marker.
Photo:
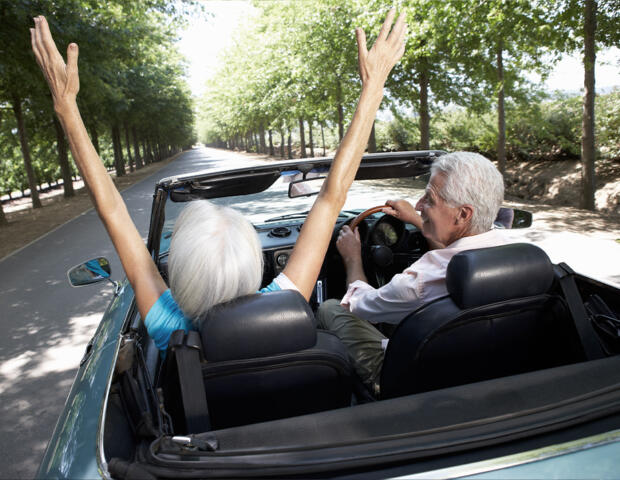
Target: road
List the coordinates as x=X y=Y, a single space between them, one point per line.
x=45 y=324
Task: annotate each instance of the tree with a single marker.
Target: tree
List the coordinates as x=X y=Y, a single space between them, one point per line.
x=590 y=25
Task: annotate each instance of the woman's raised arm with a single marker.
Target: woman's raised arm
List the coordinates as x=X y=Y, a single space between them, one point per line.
x=64 y=84
x=375 y=65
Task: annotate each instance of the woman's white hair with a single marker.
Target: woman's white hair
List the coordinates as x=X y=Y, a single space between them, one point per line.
x=472 y=179
x=215 y=256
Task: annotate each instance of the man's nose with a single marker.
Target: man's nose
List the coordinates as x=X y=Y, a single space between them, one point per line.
x=419 y=205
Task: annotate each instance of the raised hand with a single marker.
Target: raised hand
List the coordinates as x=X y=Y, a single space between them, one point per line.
x=62 y=79
x=376 y=64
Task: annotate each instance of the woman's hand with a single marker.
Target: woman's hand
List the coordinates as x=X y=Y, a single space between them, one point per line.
x=62 y=79
x=376 y=64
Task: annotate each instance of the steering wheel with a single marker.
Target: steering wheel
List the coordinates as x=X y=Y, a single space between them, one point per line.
x=377 y=258
x=365 y=213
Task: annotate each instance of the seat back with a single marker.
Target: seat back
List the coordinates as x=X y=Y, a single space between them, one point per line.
x=501 y=318
x=265 y=360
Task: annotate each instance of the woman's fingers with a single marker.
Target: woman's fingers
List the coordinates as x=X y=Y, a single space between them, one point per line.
x=387 y=25
x=35 y=48
x=62 y=79
x=72 y=70
x=362 y=50
x=398 y=32
x=46 y=39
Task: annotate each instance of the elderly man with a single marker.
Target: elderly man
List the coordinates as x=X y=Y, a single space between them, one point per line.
x=457 y=211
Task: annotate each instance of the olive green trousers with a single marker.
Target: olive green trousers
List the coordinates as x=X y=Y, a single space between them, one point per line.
x=360 y=338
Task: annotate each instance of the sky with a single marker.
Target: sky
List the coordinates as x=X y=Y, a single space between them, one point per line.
x=204 y=39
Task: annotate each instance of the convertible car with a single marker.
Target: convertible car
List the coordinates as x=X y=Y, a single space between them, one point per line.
x=514 y=374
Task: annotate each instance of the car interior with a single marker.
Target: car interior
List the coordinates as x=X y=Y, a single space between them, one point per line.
x=512 y=354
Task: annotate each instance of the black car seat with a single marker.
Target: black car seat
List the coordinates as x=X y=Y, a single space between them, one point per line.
x=502 y=317
x=264 y=359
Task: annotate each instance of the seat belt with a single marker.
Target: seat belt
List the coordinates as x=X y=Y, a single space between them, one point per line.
x=186 y=349
x=587 y=334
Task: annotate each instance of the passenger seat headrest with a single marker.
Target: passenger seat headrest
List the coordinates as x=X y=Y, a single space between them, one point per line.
x=258 y=325
x=489 y=275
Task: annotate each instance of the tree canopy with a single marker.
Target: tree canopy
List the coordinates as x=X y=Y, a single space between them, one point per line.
x=133 y=95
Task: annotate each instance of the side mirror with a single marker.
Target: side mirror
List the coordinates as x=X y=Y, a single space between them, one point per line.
x=513 y=218
x=92 y=271
x=522 y=218
x=306 y=187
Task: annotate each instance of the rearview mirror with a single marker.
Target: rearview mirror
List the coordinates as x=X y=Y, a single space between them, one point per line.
x=306 y=187
x=92 y=271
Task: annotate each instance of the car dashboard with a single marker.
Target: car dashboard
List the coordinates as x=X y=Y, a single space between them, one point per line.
x=388 y=247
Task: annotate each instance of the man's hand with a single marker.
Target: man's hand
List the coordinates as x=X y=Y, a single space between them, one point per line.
x=62 y=79
x=376 y=64
x=349 y=246
x=403 y=210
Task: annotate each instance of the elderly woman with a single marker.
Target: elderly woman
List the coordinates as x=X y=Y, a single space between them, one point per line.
x=197 y=253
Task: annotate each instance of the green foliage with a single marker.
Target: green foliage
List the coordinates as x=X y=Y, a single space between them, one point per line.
x=608 y=124
x=131 y=75
x=548 y=129
x=402 y=133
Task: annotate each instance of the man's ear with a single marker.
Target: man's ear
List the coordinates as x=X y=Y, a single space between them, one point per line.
x=465 y=213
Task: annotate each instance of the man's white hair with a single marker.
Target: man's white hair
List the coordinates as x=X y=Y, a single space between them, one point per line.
x=215 y=256
x=471 y=179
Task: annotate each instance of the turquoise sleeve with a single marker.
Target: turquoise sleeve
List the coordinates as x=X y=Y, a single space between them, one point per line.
x=163 y=318
x=272 y=287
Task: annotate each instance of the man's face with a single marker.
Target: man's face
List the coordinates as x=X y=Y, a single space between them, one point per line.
x=440 y=220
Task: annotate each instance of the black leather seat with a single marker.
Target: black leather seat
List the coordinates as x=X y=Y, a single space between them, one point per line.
x=265 y=360
x=503 y=316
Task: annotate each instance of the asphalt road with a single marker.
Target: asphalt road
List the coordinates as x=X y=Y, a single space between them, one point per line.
x=45 y=324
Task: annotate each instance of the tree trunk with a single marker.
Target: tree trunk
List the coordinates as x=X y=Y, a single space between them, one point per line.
x=501 y=115
x=263 y=147
x=340 y=122
x=340 y=112
x=302 y=138
x=588 y=146
x=372 y=141
x=3 y=220
x=23 y=140
x=282 y=143
x=323 y=138
x=425 y=118
x=311 y=139
x=136 y=149
x=94 y=137
x=128 y=147
x=63 y=160
x=290 y=144
x=271 y=150
x=119 y=164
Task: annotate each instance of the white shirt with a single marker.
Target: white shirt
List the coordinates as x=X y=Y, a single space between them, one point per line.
x=423 y=281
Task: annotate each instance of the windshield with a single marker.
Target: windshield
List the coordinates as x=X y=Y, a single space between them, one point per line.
x=274 y=202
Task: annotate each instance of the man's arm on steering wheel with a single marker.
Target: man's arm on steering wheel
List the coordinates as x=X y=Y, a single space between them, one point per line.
x=403 y=210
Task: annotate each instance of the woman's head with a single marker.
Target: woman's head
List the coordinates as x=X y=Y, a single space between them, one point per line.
x=215 y=256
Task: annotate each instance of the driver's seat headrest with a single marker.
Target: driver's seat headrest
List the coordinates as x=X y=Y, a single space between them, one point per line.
x=258 y=325
x=489 y=275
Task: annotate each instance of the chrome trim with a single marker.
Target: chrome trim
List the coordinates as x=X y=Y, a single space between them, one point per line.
x=518 y=458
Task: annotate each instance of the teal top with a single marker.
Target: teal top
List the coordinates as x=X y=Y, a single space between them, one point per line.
x=165 y=316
